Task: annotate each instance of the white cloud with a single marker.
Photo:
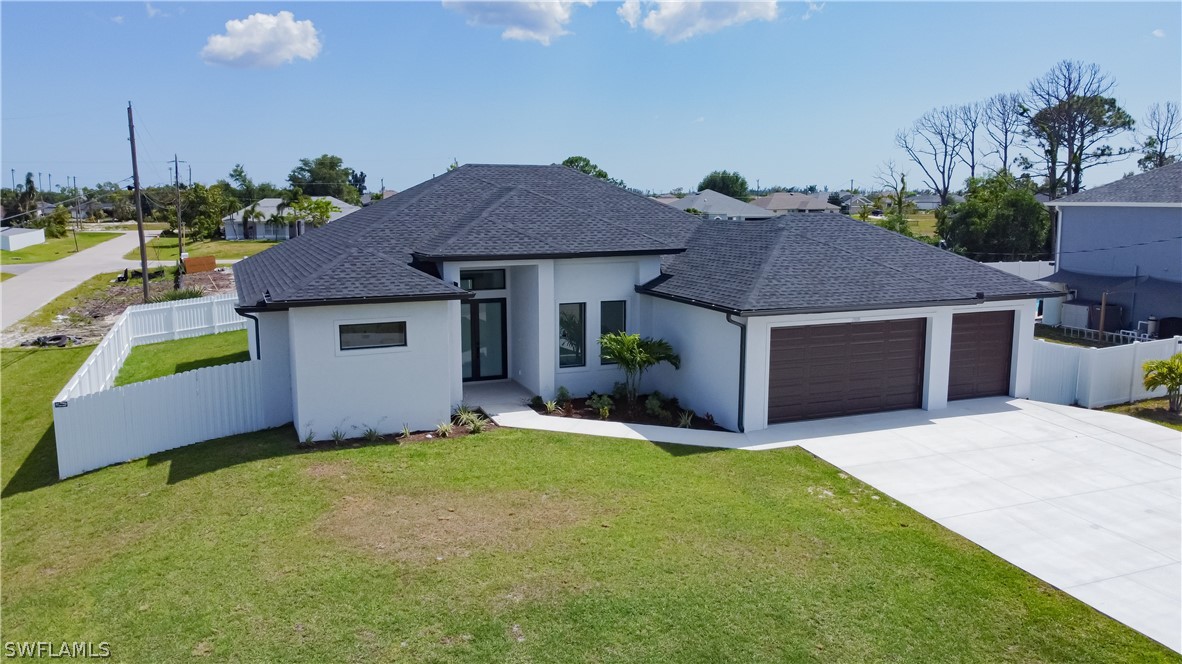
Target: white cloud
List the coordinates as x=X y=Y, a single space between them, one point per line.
x=524 y=21
x=153 y=12
x=117 y=19
x=1159 y=33
x=263 y=40
x=813 y=8
x=676 y=21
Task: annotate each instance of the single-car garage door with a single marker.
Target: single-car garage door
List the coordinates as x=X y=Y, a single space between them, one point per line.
x=982 y=343
x=831 y=370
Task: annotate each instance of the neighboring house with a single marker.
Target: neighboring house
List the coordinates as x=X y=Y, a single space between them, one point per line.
x=791 y=201
x=262 y=228
x=1122 y=243
x=854 y=204
x=667 y=199
x=14 y=239
x=488 y=272
x=368 y=199
x=716 y=206
x=927 y=201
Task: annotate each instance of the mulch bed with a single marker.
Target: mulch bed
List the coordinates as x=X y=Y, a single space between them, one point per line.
x=579 y=410
x=457 y=431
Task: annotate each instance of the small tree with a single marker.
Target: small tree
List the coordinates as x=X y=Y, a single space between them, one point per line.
x=54 y=223
x=314 y=212
x=1168 y=374
x=725 y=183
x=635 y=355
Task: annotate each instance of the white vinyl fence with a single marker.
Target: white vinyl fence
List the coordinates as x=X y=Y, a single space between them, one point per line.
x=1095 y=377
x=98 y=425
x=1026 y=269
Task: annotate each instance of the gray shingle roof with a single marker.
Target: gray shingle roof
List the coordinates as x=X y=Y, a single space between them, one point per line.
x=712 y=202
x=810 y=262
x=475 y=211
x=1161 y=185
x=792 y=200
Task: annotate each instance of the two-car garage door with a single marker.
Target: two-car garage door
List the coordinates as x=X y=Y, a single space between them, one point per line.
x=843 y=369
x=849 y=368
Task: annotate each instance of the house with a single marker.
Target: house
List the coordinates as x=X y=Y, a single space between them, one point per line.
x=1121 y=243
x=15 y=239
x=264 y=228
x=854 y=204
x=928 y=201
x=384 y=317
x=790 y=201
x=714 y=205
x=368 y=198
x=667 y=199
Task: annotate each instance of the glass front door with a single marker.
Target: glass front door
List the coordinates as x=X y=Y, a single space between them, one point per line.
x=482 y=328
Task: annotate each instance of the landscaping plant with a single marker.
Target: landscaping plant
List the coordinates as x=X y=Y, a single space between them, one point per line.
x=685 y=419
x=551 y=406
x=1166 y=373
x=635 y=355
x=443 y=430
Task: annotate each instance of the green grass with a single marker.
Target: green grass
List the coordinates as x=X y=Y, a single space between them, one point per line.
x=172 y=357
x=165 y=249
x=923 y=223
x=1151 y=410
x=5 y=276
x=507 y=546
x=1059 y=336
x=53 y=249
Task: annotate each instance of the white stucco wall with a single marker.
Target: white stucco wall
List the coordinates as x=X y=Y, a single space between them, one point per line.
x=936 y=359
x=273 y=352
x=708 y=380
x=381 y=387
x=592 y=281
x=524 y=325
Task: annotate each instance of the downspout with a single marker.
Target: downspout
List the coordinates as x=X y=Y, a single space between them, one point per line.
x=742 y=366
x=258 y=347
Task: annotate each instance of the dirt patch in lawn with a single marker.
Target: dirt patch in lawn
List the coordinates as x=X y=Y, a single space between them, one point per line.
x=432 y=528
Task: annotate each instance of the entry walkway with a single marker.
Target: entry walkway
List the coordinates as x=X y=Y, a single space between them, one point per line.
x=1088 y=501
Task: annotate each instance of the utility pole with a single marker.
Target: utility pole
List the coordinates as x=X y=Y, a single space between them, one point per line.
x=39 y=189
x=139 y=208
x=51 y=183
x=190 y=175
x=180 y=230
x=13 y=171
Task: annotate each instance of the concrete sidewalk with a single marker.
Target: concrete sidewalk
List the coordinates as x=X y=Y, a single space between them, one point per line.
x=37 y=284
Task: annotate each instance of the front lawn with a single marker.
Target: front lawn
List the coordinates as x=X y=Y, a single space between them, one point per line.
x=508 y=545
x=5 y=276
x=1151 y=410
x=172 y=357
x=55 y=248
x=165 y=249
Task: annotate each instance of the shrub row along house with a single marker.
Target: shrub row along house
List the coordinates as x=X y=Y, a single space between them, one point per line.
x=492 y=272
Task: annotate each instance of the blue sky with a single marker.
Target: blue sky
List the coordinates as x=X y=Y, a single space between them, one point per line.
x=400 y=89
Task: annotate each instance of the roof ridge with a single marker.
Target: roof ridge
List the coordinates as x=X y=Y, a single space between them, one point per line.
x=300 y=283
x=588 y=212
x=487 y=204
x=765 y=265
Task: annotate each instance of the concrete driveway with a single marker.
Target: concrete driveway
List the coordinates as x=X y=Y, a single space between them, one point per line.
x=1087 y=501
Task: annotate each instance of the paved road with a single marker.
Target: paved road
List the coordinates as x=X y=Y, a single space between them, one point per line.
x=37 y=284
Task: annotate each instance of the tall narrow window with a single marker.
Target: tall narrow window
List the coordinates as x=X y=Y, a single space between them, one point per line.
x=613 y=317
x=572 y=334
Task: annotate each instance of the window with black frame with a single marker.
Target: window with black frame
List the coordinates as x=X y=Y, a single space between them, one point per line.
x=613 y=317
x=355 y=336
x=572 y=334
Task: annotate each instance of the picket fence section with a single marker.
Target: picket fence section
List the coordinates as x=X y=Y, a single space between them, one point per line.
x=146 y=324
x=96 y=424
x=1095 y=377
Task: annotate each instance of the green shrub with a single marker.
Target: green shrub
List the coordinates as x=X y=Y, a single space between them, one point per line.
x=405 y=430
x=562 y=395
x=463 y=415
x=477 y=424
x=536 y=402
x=371 y=435
x=178 y=294
x=443 y=430
x=1166 y=373
x=685 y=419
x=654 y=405
x=620 y=392
x=551 y=406
x=598 y=401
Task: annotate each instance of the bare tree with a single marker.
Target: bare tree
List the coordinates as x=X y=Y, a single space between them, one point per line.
x=1071 y=121
x=971 y=117
x=1163 y=127
x=935 y=143
x=1003 y=124
x=893 y=183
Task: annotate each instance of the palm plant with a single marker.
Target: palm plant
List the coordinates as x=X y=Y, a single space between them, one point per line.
x=251 y=215
x=1168 y=374
x=635 y=355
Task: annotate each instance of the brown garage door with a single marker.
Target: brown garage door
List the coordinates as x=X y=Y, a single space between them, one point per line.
x=831 y=370
x=981 y=347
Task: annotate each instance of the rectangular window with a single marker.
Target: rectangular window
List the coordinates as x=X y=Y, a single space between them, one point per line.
x=482 y=279
x=613 y=317
x=373 y=335
x=572 y=335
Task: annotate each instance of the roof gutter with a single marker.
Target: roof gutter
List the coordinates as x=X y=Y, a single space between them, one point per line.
x=742 y=367
x=980 y=298
x=283 y=305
